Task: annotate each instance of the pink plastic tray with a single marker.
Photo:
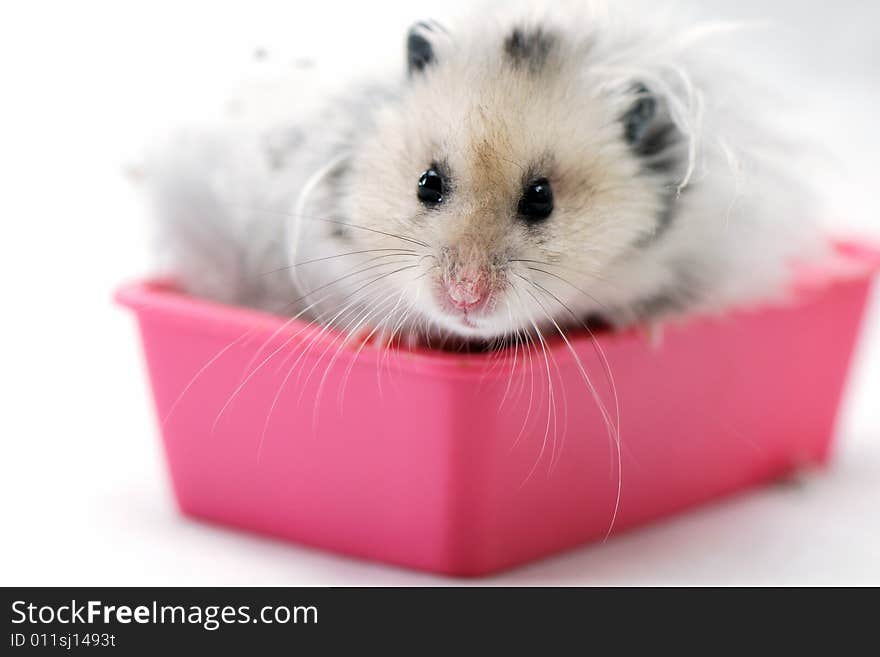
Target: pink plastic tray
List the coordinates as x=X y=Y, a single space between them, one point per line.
x=458 y=463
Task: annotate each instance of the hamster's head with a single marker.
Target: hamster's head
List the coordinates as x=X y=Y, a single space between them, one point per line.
x=516 y=173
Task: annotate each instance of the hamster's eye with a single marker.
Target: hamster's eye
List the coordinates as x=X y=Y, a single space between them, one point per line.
x=431 y=187
x=537 y=200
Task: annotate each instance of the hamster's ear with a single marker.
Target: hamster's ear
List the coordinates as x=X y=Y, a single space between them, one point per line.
x=421 y=46
x=638 y=118
x=651 y=133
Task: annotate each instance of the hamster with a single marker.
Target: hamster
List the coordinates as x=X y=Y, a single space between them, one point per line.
x=516 y=174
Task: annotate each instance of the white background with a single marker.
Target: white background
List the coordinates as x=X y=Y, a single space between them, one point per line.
x=83 y=490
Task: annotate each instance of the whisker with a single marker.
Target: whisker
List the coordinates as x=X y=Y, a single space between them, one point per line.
x=551 y=404
x=379 y=232
x=384 y=276
x=513 y=364
x=554 y=455
x=338 y=255
x=315 y=303
x=294 y=215
x=241 y=386
x=305 y=350
x=342 y=343
x=275 y=400
x=199 y=373
x=363 y=342
x=578 y=289
x=546 y=263
x=613 y=427
x=527 y=351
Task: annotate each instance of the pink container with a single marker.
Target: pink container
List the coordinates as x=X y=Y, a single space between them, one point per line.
x=458 y=464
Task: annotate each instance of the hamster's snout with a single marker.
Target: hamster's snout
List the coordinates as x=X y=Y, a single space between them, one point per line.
x=468 y=287
x=468 y=291
x=465 y=287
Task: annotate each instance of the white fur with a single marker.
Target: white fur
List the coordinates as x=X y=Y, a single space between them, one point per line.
x=230 y=220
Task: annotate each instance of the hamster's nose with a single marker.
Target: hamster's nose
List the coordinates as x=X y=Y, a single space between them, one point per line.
x=467 y=293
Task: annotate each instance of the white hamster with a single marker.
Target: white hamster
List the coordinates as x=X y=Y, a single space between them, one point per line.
x=519 y=173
